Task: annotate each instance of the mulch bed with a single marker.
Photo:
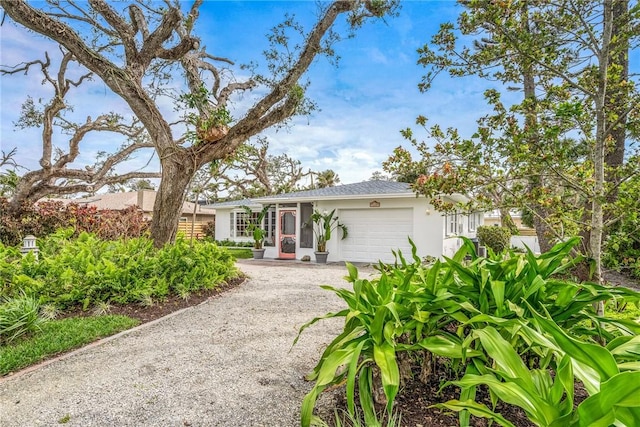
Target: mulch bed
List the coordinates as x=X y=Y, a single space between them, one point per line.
x=148 y=313
x=415 y=399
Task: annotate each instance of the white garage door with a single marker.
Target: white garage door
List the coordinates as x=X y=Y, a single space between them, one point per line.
x=373 y=233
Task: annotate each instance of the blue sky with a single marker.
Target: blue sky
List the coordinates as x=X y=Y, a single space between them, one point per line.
x=363 y=103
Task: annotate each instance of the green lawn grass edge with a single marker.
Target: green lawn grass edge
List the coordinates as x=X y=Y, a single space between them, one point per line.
x=60 y=336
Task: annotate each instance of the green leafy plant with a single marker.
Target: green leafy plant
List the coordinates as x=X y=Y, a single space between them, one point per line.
x=496 y=238
x=439 y=311
x=546 y=395
x=325 y=223
x=403 y=310
x=210 y=122
x=90 y=272
x=19 y=316
x=254 y=225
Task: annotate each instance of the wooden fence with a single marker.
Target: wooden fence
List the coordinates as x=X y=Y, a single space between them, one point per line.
x=185 y=227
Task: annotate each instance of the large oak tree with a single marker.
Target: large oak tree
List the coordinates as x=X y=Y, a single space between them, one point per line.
x=130 y=48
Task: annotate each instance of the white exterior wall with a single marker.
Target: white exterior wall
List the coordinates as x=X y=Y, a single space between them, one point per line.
x=428 y=225
x=451 y=243
x=222 y=224
x=530 y=241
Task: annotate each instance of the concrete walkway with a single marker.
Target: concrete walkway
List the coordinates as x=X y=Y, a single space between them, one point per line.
x=227 y=362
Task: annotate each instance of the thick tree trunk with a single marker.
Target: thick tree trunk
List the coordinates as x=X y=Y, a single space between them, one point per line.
x=597 y=212
x=169 y=199
x=543 y=230
x=617 y=95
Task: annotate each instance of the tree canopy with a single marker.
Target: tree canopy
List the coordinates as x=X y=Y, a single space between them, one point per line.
x=136 y=48
x=559 y=152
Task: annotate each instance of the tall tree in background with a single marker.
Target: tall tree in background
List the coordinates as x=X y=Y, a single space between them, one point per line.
x=326 y=178
x=254 y=172
x=57 y=174
x=130 y=47
x=565 y=141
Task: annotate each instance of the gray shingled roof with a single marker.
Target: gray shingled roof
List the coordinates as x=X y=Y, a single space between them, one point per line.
x=361 y=189
x=365 y=188
x=234 y=204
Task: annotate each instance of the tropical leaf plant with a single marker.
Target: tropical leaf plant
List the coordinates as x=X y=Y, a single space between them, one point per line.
x=19 y=316
x=546 y=395
x=443 y=309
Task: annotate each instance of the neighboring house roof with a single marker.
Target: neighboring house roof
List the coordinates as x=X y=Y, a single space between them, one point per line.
x=144 y=199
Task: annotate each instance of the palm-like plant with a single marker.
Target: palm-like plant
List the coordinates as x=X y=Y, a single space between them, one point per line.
x=326 y=223
x=254 y=226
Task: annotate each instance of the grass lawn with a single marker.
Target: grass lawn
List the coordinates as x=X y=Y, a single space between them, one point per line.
x=58 y=336
x=243 y=253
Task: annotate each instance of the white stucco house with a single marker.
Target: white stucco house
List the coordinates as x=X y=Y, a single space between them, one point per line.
x=380 y=216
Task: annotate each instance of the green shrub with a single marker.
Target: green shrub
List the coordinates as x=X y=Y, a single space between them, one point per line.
x=86 y=271
x=231 y=243
x=438 y=313
x=18 y=316
x=622 y=249
x=498 y=239
x=547 y=395
x=622 y=244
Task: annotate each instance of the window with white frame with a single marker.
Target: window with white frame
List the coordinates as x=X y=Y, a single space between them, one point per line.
x=239 y=222
x=452 y=224
x=474 y=218
x=270 y=226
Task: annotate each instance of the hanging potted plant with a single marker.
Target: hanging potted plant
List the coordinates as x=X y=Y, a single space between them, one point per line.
x=211 y=121
x=324 y=224
x=255 y=230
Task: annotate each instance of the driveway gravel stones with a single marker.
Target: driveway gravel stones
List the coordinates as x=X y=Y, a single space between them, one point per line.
x=226 y=362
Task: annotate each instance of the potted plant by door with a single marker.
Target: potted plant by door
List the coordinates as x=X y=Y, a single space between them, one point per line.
x=325 y=223
x=255 y=230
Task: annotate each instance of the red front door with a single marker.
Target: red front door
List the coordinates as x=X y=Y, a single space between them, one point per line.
x=287 y=243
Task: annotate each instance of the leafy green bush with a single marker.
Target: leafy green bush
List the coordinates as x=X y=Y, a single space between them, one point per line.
x=18 y=316
x=547 y=395
x=87 y=270
x=495 y=238
x=231 y=243
x=622 y=245
x=431 y=313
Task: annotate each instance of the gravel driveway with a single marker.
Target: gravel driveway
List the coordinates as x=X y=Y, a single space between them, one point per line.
x=227 y=362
